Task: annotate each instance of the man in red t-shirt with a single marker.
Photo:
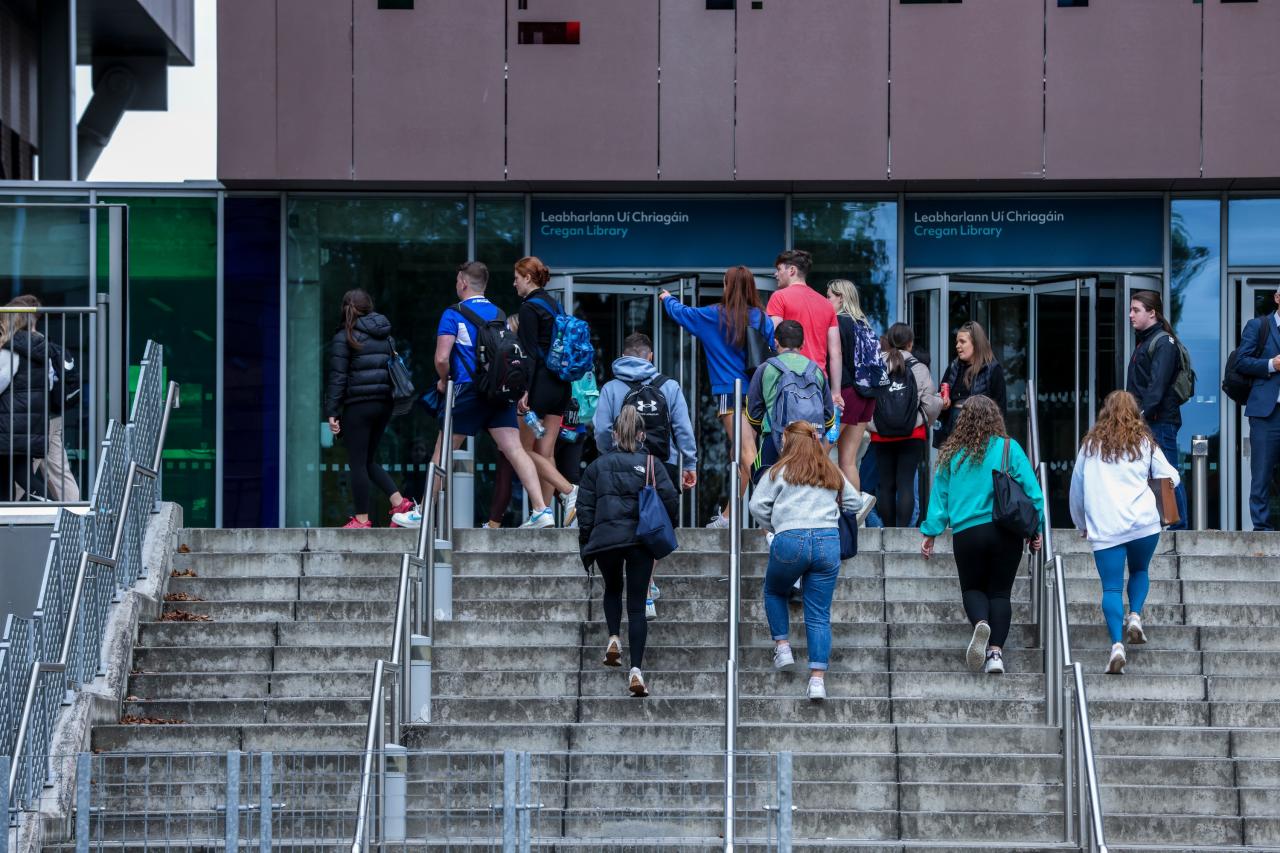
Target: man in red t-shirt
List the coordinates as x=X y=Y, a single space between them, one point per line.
x=796 y=300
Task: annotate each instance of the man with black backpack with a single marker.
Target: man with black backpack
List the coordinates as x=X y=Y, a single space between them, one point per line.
x=489 y=369
x=1258 y=359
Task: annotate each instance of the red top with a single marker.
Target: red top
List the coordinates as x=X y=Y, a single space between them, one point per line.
x=919 y=432
x=812 y=311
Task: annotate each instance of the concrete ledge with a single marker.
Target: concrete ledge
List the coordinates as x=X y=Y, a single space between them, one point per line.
x=99 y=702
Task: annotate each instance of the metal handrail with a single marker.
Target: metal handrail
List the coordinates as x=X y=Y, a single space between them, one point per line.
x=415 y=614
x=735 y=605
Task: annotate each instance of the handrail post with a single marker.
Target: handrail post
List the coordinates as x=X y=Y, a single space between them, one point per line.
x=1199 y=482
x=735 y=605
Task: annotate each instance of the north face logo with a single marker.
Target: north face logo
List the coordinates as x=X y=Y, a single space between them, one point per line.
x=639 y=469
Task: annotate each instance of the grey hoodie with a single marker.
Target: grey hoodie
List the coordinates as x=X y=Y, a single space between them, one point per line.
x=629 y=368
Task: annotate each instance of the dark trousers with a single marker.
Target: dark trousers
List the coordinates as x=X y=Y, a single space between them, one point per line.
x=19 y=471
x=898 y=463
x=987 y=559
x=1167 y=438
x=1264 y=468
x=635 y=564
x=362 y=427
x=501 y=501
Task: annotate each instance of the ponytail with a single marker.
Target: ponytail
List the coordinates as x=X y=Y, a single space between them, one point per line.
x=355 y=304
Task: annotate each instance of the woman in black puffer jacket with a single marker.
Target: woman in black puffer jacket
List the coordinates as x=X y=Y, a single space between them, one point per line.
x=357 y=399
x=608 y=514
x=24 y=400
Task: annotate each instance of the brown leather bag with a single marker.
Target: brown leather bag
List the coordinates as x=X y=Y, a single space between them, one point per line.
x=1166 y=497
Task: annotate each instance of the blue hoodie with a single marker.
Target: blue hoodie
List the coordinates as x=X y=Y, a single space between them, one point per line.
x=725 y=362
x=629 y=368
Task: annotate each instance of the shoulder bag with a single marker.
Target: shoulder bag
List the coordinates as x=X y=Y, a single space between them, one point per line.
x=847 y=522
x=1012 y=510
x=1162 y=488
x=757 y=346
x=402 y=393
x=654 y=528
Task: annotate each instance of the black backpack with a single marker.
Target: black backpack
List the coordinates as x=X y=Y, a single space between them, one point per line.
x=501 y=371
x=898 y=404
x=655 y=416
x=1235 y=384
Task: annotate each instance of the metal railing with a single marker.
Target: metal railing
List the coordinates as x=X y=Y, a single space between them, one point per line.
x=404 y=681
x=1066 y=701
x=47 y=450
x=735 y=607
x=91 y=559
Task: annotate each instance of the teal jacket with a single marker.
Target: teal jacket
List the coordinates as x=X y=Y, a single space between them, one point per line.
x=962 y=493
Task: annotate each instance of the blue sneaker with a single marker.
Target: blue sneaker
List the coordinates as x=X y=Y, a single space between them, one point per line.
x=540 y=519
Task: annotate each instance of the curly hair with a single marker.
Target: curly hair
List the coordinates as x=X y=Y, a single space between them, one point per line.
x=979 y=422
x=1120 y=432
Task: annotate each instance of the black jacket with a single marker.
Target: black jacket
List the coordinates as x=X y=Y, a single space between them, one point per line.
x=358 y=375
x=24 y=405
x=1150 y=377
x=609 y=501
x=989 y=382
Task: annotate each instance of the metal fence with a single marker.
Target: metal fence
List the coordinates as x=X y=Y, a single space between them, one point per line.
x=510 y=801
x=48 y=416
x=91 y=560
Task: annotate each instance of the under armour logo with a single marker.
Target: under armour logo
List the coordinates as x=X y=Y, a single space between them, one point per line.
x=650 y=408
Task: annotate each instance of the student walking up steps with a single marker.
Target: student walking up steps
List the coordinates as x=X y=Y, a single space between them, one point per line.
x=1112 y=504
x=987 y=556
x=799 y=501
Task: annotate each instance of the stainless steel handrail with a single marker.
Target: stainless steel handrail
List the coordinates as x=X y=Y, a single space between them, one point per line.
x=735 y=605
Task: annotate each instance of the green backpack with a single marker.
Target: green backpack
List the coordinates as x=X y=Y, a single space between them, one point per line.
x=1184 y=378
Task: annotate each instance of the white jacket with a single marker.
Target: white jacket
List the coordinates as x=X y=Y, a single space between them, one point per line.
x=1112 y=502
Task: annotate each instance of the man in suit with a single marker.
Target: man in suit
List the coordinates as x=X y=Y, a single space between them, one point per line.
x=1263 y=411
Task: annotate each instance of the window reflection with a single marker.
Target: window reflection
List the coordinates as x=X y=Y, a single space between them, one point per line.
x=857 y=240
x=1253 y=230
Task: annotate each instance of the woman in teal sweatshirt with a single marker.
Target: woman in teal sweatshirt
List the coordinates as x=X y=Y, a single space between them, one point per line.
x=962 y=498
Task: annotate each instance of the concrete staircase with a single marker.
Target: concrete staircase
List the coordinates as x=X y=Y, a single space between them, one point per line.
x=910 y=752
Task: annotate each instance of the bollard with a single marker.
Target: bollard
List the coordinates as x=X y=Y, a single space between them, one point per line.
x=419 y=679
x=442 y=586
x=1200 y=482
x=785 y=801
x=462 y=488
x=394 y=794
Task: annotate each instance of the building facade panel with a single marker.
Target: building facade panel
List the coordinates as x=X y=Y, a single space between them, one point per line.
x=812 y=91
x=416 y=116
x=1132 y=110
x=247 y=97
x=586 y=111
x=967 y=94
x=1241 y=90
x=696 y=97
x=313 y=73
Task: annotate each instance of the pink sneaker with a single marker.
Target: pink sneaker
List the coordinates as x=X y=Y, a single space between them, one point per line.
x=406 y=506
x=357 y=525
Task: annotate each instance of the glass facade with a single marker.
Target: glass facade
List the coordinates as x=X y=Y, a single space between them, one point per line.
x=44 y=251
x=857 y=240
x=1195 y=288
x=1253 y=232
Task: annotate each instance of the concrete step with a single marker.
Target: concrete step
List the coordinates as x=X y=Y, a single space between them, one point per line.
x=232 y=658
x=249 y=540
x=262 y=633
x=947 y=589
x=300 y=711
x=287 y=737
x=611 y=682
x=289 y=611
x=1227 y=568
x=251 y=685
x=1231 y=592
x=1204 y=830
x=531 y=633
x=1136 y=798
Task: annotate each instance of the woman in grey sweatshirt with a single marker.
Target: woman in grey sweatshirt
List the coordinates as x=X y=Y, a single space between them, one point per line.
x=799 y=500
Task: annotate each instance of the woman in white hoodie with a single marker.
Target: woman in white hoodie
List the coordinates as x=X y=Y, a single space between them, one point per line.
x=1115 y=508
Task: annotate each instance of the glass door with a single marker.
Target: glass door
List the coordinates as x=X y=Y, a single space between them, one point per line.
x=1004 y=312
x=1255 y=298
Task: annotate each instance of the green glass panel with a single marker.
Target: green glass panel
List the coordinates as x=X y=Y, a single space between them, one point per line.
x=856 y=240
x=405 y=253
x=44 y=251
x=173 y=299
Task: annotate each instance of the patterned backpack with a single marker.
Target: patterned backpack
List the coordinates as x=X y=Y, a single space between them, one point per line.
x=572 y=354
x=869 y=376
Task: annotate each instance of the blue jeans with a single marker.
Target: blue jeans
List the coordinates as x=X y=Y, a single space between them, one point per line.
x=1110 y=563
x=1264 y=460
x=1166 y=436
x=815 y=556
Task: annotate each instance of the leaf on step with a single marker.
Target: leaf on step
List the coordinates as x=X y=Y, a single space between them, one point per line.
x=183 y=549
x=132 y=699
x=184 y=573
x=184 y=616
x=134 y=720
x=181 y=596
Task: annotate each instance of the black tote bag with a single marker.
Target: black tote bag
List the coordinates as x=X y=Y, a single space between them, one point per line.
x=402 y=393
x=758 y=350
x=1012 y=510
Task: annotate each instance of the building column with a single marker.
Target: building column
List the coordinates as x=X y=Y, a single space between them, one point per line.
x=57 y=90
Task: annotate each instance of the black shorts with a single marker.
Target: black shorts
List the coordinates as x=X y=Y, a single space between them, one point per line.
x=548 y=393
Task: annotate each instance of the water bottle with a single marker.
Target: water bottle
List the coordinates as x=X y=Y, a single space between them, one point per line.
x=834 y=432
x=533 y=422
x=568 y=434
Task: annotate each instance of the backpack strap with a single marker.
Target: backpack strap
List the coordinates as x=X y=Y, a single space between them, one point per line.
x=475 y=319
x=1004 y=464
x=810 y=369
x=776 y=363
x=657 y=381
x=545 y=298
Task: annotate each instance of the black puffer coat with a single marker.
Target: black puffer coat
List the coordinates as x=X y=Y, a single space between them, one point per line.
x=358 y=375
x=24 y=405
x=609 y=501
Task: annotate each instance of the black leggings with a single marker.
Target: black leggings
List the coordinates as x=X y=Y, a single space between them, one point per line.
x=987 y=559
x=639 y=569
x=11 y=478
x=897 y=463
x=362 y=427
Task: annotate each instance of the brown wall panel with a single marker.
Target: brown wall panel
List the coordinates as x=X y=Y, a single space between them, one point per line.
x=696 y=104
x=1241 y=90
x=812 y=90
x=429 y=91
x=246 y=89
x=313 y=72
x=587 y=111
x=1132 y=108
x=967 y=96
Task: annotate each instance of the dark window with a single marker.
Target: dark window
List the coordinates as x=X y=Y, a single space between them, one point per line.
x=909 y=2
x=1073 y=2
x=549 y=32
x=721 y=4
x=395 y=4
x=757 y=4
x=1239 y=1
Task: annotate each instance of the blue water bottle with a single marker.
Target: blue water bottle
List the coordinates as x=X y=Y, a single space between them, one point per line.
x=834 y=432
x=534 y=424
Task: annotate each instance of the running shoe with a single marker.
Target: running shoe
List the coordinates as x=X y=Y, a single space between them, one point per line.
x=540 y=519
x=405 y=507
x=570 y=503
x=1133 y=633
x=636 y=683
x=995 y=662
x=976 y=654
x=817 y=688
x=613 y=653
x=411 y=519
x=1115 y=666
x=718 y=522
x=868 y=504
x=783 y=659
x=352 y=524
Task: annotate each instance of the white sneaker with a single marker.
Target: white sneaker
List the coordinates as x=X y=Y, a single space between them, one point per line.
x=570 y=503
x=868 y=504
x=411 y=519
x=613 y=653
x=635 y=683
x=783 y=659
x=995 y=662
x=1115 y=666
x=650 y=610
x=718 y=522
x=1133 y=633
x=817 y=688
x=654 y=592
x=976 y=654
x=540 y=519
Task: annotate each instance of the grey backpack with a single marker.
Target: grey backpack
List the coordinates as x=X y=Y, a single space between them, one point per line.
x=797 y=397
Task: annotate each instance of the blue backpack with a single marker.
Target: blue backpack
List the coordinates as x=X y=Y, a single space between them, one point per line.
x=869 y=376
x=797 y=397
x=572 y=354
